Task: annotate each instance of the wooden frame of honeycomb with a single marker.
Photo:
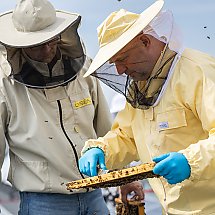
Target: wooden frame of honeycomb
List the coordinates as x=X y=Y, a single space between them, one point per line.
x=115 y=178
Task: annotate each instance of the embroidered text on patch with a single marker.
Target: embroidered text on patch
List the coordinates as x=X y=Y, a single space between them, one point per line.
x=82 y=103
x=163 y=125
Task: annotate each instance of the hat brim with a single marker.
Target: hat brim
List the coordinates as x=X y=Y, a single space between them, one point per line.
x=110 y=49
x=9 y=36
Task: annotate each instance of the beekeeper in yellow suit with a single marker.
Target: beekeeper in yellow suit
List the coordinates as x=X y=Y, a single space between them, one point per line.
x=170 y=112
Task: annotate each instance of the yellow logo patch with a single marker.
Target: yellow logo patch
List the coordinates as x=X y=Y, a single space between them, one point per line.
x=82 y=103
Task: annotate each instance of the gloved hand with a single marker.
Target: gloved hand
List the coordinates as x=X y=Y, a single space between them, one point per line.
x=89 y=161
x=173 y=167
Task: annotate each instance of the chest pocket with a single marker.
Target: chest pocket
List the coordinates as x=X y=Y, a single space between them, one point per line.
x=171 y=119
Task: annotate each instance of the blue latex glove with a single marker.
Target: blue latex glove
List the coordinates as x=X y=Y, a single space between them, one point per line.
x=90 y=160
x=173 y=167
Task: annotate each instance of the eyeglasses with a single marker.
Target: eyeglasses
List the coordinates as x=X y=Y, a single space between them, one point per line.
x=50 y=43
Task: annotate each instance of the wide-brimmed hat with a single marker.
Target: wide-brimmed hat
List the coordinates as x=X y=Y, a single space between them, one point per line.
x=33 y=22
x=118 y=29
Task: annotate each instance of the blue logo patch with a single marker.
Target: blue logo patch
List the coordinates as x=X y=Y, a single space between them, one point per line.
x=163 y=125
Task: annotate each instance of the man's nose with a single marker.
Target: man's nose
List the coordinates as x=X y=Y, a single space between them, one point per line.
x=121 y=68
x=46 y=47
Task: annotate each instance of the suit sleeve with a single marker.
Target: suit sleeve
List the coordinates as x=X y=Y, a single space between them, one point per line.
x=118 y=144
x=201 y=100
x=3 y=118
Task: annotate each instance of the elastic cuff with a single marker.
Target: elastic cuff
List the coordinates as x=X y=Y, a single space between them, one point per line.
x=94 y=144
x=194 y=166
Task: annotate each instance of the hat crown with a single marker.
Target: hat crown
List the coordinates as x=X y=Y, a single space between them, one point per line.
x=115 y=25
x=33 y=15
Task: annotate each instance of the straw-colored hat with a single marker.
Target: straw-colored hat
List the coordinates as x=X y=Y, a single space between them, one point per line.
x=33 y=22
x=118 y=29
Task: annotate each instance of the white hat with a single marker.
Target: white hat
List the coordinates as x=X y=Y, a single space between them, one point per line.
x=118 y=29
x=33 y=22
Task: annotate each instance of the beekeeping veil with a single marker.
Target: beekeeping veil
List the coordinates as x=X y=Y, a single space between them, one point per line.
x=118 y=29
x=33 y=23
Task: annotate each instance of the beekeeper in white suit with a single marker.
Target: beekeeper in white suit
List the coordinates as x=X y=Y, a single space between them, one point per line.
x=47 y=109
x=170 y=112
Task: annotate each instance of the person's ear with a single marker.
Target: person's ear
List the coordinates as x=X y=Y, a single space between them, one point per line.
x=145 y=40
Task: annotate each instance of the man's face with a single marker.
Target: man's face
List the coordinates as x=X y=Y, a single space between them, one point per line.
x=135 y=59
x=45 y=52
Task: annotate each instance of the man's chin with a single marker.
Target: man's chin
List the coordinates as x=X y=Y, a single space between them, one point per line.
x=46 y=60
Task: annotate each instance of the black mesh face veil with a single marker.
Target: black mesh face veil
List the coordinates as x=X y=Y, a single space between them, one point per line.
x=31 y=77
x=140 y=94
x=123 y=84
x=70 y=59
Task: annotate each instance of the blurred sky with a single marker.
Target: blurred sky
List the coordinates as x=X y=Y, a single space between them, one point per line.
x=195 y=17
